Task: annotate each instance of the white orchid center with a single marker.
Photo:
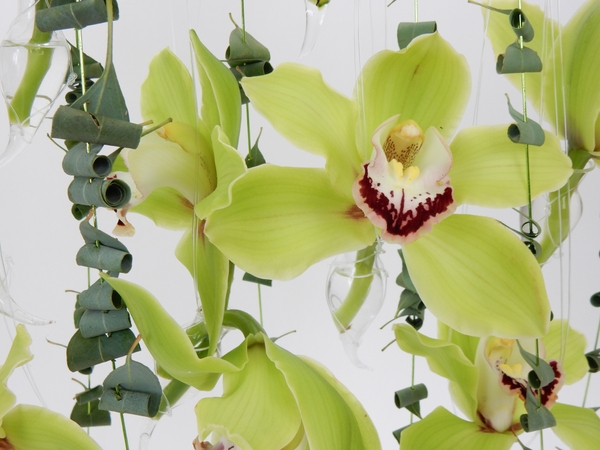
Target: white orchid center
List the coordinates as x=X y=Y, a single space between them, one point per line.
x=404 y=189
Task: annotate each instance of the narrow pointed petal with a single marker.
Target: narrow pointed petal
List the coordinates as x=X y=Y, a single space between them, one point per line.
x=221 y=101
x=577 y=427
x=574 y=363
x=490 y=170
x=210 y=270
x=447 y=360
x=328 y=420
x=468 y=344
x=256 y=405
x=33 y=428
x=18 y=355
x=442 y=430
x=169 y=344
x=167 y=208
x=582 y=41
x=229 y=167
x=167 y=92
x=158 y=162
x=546 y=31
x=428 y=82
x=282 y=220
x=478 y=278
x=312 y=116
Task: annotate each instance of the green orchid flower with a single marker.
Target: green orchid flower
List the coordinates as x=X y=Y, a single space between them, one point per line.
x=271 y=398
x=566 y=93
x=188 y=165
x=488 y=383
x=385 y=176
x=27 y=427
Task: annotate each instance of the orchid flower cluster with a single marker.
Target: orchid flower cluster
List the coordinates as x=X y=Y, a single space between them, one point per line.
x=397 y=172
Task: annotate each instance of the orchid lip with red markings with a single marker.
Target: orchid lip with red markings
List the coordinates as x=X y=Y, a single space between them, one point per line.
x=404 y=189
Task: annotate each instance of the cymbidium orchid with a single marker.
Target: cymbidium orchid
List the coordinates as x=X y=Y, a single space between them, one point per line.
x=189 y=163
x=28 y=427
x=566 y=93
x=271 y=398
x=488 y=383
x=390 y=172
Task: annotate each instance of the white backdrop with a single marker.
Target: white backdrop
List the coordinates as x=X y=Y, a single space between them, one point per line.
x=40 y=237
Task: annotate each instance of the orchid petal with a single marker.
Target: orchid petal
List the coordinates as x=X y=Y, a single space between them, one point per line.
x=489 y=170
x=169 y=344
x=210 y=270
x=546 y=30
x=574 y=362
x=221 y=101
x=158 y=162
x=479 y=279
x=229 y=166
x=582 y=41
x=167 y=208
x=33 y=428
x=18 y=355
x=577 y=427
x=442 y=430
x=468 y=344
x=282 y=220
x=447 y=360
x=328 y=420
x=167 y=91
x=427 y=82
x=256 y=406
x=312 y=116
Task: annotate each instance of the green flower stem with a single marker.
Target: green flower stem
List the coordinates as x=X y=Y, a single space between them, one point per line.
x=172 y=393
x=558 y=227
x=243 y=321
x=38 y=63
x=361 y=282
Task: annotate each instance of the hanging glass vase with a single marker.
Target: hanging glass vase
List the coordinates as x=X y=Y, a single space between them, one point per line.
x=355 y=294
x=34 y=68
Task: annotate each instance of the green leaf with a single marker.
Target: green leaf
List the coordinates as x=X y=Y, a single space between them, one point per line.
x=447 y=360
x=76 y=15
x=518 y=60
x=542 y=369
x=537 y=417
x=486 y=281
x=32 y=427
x=83 y=162
x=96 y=323
x=83 y=353
x=244 y=49
x=252 y=279
x=521 y=25
x=87 y=396
x=88 y=415
x=111 y=194
x=489 y=170
x=407 y=31
x=442 y=430
x=255 y=158
x=279 y=233
x=100 y=296
x=410 y=397
x=577 y=427
x=524 y=132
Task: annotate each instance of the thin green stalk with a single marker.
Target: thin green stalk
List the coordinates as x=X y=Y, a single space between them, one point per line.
x=361 y=282
x=412 y=382
x=416 y=10
x=243 y=23
x=123 y=427
x=39 y=60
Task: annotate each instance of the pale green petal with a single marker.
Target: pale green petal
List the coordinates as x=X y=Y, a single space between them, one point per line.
x=468 y=344
x=18 y=355
x=167 y=208
x=582 y=41
x=34 y=428
x=282 y=220
x=478 y=278
x=256 y=405
x=368 y=432
x=221 y=101
x=546 y=31
x=574 y=363
x=210 y=270
x=168 y=343
x=490 y=170
x=577 y=427
x=442 y=430
x=167 y=92
x=229 y=166
x=158 y=162
x=447 y=360
x=329 y=422
x=312 y=116
x=428 y=82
